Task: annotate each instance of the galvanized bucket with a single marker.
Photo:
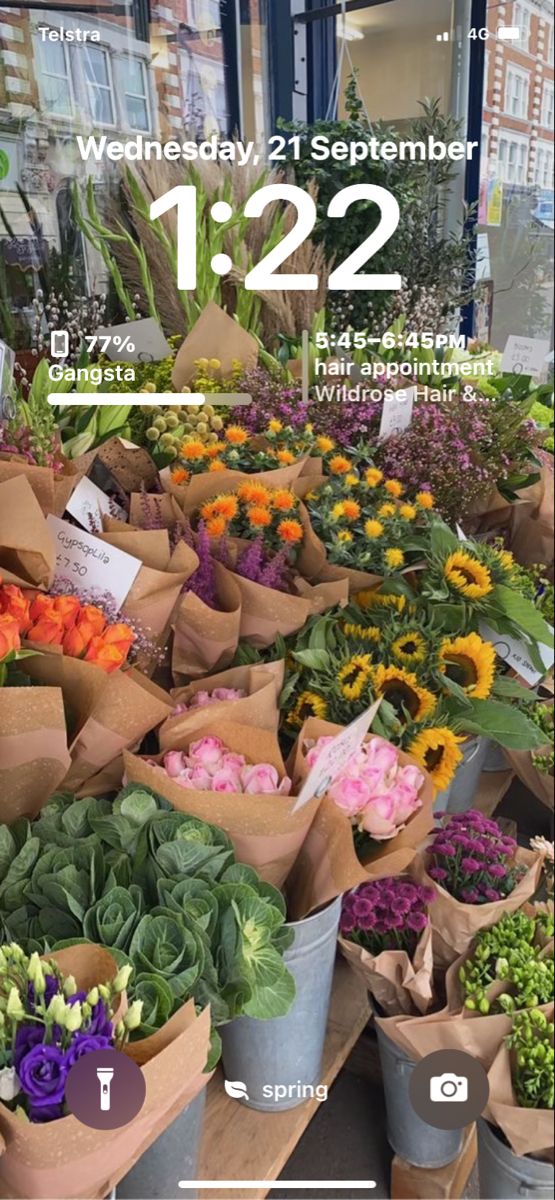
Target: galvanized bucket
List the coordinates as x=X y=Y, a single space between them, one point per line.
x=286 y=1053
x=496 y=759
x=506 y=1176
x=173 y=1156
x=411 y=1138
x=458 y=797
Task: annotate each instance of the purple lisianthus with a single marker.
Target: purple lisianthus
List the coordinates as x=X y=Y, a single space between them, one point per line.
x=26 y=1038
x=42 y=1114
x=51 y=988
x=86 y=1043
x=42 y=1073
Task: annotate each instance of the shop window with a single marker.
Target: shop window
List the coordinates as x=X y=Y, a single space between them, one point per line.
x=513 y=159
x=55 y=81
x=98 y=78
x=517 y=88
x=522 y=17
x=205 y=15
x=547 y=105
x=135 y=93
x=544 y=166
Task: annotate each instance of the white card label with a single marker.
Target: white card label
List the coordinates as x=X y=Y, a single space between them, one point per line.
x=397 y=412
x=516 y=654
x=88 y=503
x=461 y=534
x=7 y=360
x=335 y=756
x=135 y=342
x=525 y=356
x=86 y=560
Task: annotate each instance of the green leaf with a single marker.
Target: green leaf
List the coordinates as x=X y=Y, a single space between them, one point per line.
x=442 y=541
x=503 y=724
x=506 y=686
x=316 y=660
x=522 y=613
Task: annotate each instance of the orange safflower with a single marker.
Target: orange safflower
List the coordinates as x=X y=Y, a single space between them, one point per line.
x=67 y=607
x=373 y=477
x=236 y=435
x=425 y=499
x=216 y=527
x=285 y=457
x=225 y=506
x=215 y=449
x=339 y=465
x=283 y=500
x=254 y=493
x=290 y=531
x=217 y=465
x=351 y=510
x=394 y=488
x=9 y=635
x=108 y=658
x=48 y=630
x=15 y=604
x=325 y=444
x=258 y=516
x=192 y=450
x=93 y=616
x=180 y=475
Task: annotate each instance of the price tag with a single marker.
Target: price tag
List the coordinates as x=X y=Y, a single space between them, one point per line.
x=136 y=342
x=335 y=756
x=86 y=560
x=397 y=412
x=516 y=654
x=88 y=504
x=525 y=356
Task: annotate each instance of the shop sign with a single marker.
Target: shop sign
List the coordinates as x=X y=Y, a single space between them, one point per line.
x=9 y=169
x=525 y=356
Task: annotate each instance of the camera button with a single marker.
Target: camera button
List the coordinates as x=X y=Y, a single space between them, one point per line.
x=448 y=1089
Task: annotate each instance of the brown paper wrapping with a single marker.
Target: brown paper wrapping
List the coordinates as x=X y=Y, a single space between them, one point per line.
x=265 y=832
x=259 y=708
x=541 y=785
x=34 y=756
x=398 y=983
x=131 y=465
x=200 y=488
x=214 y=335
x=51 y=488
x=27 y=556
x=155 y=591
x=145 y=507
x=455 y=924
x=327 y=864
x=205 y=639
x=533 y=519
x=68 y=1160
x=527 y=1130
x=313 y=563
x=109 y=712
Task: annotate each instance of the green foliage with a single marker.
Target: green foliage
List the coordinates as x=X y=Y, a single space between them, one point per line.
x=513 y=953
x=533 y=1059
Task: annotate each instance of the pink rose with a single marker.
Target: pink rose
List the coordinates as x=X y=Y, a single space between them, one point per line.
x=351 y=795
x=412 y=777
x=228 y=694
x=179 y=708
x=315 y=749
x=285 y=786
x=207 y=752
x=200 y=778
x=234 y=761
x=260 y=779
x=174 y=763
x=373 y=777
x=225 y=780
x=201 y=699
x=381 y=754
x=405 y=801
x=378 y=818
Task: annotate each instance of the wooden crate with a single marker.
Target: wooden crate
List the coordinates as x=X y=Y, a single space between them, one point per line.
x=240 y=1143
x=443 y=1183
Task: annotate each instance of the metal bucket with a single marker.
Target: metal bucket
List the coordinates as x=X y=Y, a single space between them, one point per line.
x=504 y=1175
x=496 y=759
x=458 y=797
x=286 y=1052
x=173 y=1156
x=411 y=1138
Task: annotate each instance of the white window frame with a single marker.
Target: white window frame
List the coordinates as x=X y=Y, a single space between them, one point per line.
x=545 y=162
x=508 y=138
x=550 y=56
x=515 y=74
x=548 y=109
x=103 y=87
x=522 y=16
x=144 y=96
x=43 y=74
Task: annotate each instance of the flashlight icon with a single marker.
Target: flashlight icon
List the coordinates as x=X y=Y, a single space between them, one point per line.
x=104 y=1076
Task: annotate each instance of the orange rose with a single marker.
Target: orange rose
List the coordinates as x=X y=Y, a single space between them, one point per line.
x=13 y=602
x=41 y=606
x=48 y=630
x=121 y=636
x=9 y=635
x=91 y=615
x=78 y=639
x=67 y=608
x=108 y=658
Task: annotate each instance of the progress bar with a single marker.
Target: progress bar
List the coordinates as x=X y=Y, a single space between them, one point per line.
x=147 y=399
x=287 y=1185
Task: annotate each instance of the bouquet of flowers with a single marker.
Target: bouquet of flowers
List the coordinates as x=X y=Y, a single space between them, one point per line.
x=47 y=1024
x=81 y=630
x=533 y=1059
x=209 y=766
x=520 y=1105
x=510 y=966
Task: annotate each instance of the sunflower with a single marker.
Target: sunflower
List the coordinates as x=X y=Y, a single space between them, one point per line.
x=402 y=690
x=370 y=599
x=339 y=465
x=387 y=510
x=437 y=751
x=467 y=575
x=192 y=450
x=259 y=517
x=409 y=648
x=407 y=512
x=425 y=499
x=290 y=531
x=373 y=477
x=394 y=558
x=325 y=444
x=308 y=704
x=354 y=676
x=506 y=560
x=470 y=662
x=283 y=500
x=366 y=633
x=254 y=493
x=285 y=458
x=236 y=435
x=394 y=488
x=180 y=475
x=373 y=529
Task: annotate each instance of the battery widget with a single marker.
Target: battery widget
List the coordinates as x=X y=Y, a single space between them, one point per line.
x=59 y=343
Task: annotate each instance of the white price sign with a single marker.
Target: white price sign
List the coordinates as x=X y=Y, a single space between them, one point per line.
x=397 y=412
x=135 y=342
x=86 y=560
x=525 y=356
x=516 y=654
x=88 y=502
x=335 y=756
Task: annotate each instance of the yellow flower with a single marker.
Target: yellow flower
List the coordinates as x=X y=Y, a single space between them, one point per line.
x=470 y=662
x=275 y=426
x=309 y=428
x=373 y=477
x=387 y=510
x=437 y=751
x=285 y=457
x=402 y=690
x=344 y=535
x=236 y=435
x=214 y=364
x=339 y=465
x=352 y=480
x=425 y=499
x=373 y=529
x=325 y=444
x=354 y=676
x=409 y=648
x=394 y=558
x=407 y=512
x=366 y=633
x=371 y=599
x=394 y=488
x=506 y=560
x=338 y=511
x=308 y=704
x=467 y=575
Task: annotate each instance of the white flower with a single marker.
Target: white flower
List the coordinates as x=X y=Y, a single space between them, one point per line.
x=542 y=846
x=9 y=1084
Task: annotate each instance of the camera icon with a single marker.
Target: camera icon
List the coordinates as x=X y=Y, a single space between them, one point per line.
x=449 y=1088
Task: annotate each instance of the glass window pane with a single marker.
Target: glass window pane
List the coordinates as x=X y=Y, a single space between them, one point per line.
x=137 y=113
x=134 y=77
x=101 y=105
x=96 y=65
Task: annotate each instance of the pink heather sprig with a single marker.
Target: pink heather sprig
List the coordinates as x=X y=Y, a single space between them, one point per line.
x=375 y=789
x=202 y=699
x=254 y=564
x=203 y=581
x=104 y=600
x=211 y=767
x=386 y=914
x=277 y=571
x=251 y=561
x=473 y=859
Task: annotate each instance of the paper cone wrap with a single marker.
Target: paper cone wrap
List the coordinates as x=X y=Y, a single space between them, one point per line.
x=206 y=639
x=314 y=565
x=146 y=507
x=155 y=591
x=214 y=335
x=533 y=520
x=34 y=756
x=527 y=1130
x=27 y=556
x=192 y=495
x=265 y=832
x=51 y=488
x=130 y=465
x=540 y=784
x=397 y=982
x=259 y=708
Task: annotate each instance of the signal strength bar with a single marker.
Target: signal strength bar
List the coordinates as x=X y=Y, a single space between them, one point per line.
x=443 y=37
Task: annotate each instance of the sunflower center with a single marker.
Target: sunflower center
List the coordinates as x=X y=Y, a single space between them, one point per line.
x=468 y=576
x=433 y=757
x=409 y=647
x=401 y=697
x=461 y=670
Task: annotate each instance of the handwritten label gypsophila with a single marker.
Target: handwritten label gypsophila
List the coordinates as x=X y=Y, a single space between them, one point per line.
x=86 y=560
